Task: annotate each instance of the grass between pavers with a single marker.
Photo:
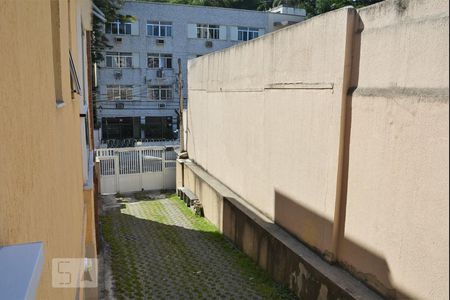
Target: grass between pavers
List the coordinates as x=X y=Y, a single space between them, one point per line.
x=249 y=269
x=125 y=259
x=121 y=259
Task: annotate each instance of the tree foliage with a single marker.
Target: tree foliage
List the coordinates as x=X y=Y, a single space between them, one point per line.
x=312 y=7
x=99 y=41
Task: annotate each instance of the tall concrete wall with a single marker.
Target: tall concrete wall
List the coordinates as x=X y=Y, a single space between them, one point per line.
x=264 y=121
x=397 y=200
x=337 y=129
x=41 y=176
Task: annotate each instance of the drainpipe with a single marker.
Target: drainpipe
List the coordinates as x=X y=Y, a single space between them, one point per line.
x=181 y=125
x=344 y=136
x=180 y=94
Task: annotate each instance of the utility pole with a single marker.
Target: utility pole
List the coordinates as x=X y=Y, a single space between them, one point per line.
x=180 y=94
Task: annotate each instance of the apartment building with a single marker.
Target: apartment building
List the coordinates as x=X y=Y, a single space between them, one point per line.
x=137 y=93
x=46 y=173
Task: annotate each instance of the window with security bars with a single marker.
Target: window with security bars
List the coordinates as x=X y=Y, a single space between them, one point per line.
x=159 y=60
x=160 y=92
x=159 y=29
x=207 y=31
x=119 y=60
x=119 y=92
x=247 y=33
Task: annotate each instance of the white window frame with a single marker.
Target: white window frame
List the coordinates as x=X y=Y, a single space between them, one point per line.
x=118 y=24
x=119 y=92
x=119 y=60
x=162 y=59
x=74 y=82
x=208 y=31
x=160 y=92
x=247 y=33
x=160 y=25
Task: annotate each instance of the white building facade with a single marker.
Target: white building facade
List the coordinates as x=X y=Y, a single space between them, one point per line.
x=137 y=92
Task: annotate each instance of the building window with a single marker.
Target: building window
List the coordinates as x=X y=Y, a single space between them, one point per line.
x=206 y=31
x=159 y=60
x=119 y=92
x=247 y=33
x=159 y=29
x=117 y=27
x=119 y=60
x=160 y=92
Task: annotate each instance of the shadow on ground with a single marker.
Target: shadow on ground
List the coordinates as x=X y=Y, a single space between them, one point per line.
x=161 y=250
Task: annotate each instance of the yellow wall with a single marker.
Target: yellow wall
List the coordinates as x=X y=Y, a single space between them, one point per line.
x=41 y=184
x=271 y=119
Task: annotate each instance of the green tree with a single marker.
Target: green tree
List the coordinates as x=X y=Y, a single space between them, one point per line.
x=99 y=41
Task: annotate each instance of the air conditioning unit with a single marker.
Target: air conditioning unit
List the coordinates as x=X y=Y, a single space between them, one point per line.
x=120 y=105
x=160 y=73
x=118 y=75
x=118 y=40
x=208 y=44
x=161 y=105
x=160 y=42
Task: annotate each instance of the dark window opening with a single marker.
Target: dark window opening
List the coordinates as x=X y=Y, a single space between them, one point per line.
x=121 y=128
x=159 y=128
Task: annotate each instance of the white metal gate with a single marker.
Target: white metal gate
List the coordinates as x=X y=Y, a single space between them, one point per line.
x=124 y=170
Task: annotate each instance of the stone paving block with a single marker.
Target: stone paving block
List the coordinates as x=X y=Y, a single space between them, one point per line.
x=161 y=250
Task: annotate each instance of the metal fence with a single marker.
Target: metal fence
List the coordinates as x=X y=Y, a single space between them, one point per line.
x=130 y=143
x=124 y=170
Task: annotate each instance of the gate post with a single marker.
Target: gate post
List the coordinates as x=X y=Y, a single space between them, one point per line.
x=117 y=171
x=163 y=168
x=141 y=157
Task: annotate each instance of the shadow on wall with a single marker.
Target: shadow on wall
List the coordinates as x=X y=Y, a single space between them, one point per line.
x=313 y=229
x=300 y=221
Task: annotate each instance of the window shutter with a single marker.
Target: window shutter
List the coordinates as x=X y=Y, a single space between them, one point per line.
x=234 y=33
x=192 y=31
x=135 y=28
x=223 y=33
x=135 y=60
x=261 y=32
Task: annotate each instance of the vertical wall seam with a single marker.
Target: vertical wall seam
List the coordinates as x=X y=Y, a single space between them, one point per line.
x=341 y=182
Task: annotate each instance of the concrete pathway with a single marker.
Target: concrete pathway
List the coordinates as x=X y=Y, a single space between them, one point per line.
x=158 y=249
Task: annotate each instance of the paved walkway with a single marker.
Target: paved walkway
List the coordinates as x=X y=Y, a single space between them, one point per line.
x=158 y=249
